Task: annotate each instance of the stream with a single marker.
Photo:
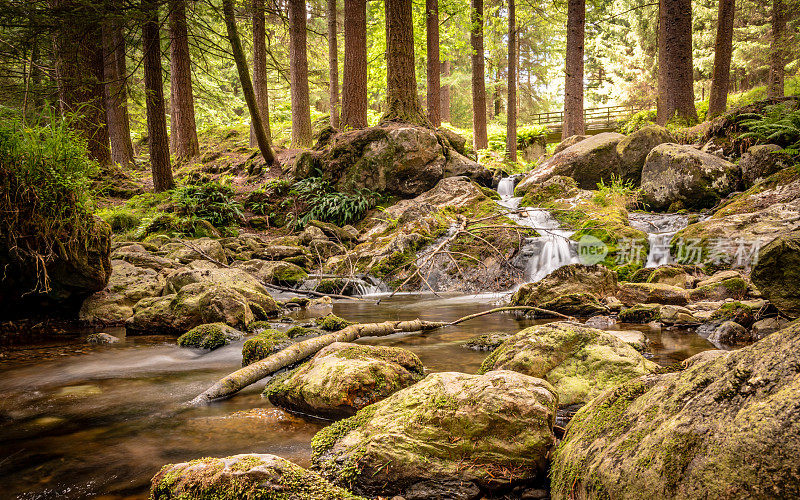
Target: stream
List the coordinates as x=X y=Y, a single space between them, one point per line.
x=104 y=422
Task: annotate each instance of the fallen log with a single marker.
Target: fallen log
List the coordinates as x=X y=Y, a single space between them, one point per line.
x=238 y=380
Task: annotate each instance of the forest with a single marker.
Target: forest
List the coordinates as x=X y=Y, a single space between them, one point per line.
x=399 y=249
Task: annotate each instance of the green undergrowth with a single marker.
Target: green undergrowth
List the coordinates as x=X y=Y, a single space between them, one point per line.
x=45 y=174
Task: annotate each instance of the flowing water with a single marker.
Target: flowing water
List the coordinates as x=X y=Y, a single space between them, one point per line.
x=544 y=254
x=660 y=229
x=102 y=423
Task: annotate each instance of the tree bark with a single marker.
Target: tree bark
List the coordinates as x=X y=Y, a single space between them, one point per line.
x=354 y=82
x=444 y=93
x=78 y=50
x=333 y=63
x=675 y=79
x=777 y=55
x=154 y=99
x=298 y=69
x=723 y=50
x=479 y=134
x=401 y=78
x=262 y=139
x=434 y=77
x=573 y=83
x=184 y=131
x=260 y=83
x=116 y=95
x=511 y=121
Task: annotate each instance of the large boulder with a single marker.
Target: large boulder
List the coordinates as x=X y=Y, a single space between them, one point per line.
x=127 y=286
x=342 y=378
x=74 y=271
x=400 y=159
x=574 y=289
x=137 y=255
x=201 y=248
x=209 y=336
x=569 y=141
x=726 y=427
x=588 y=162
x=242 y=476
x=633 y=150
x=275 y=272
x=580 y=362
x=648 y=293
x=759 y=162
x=194 y=304
x=680 y=176
x=235 y=280
x=452 y=435
x=777 y=273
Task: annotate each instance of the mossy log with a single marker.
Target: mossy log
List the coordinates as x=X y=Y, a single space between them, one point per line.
x=295 y=353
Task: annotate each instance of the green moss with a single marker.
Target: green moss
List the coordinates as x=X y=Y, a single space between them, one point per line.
x=300 y=301
x=491 y=193
x=301 y=331
x=333 y=286
x=289 y=275
x=640 y=313
x=332 y=323
x=262 y=345
x=258 y=312
x=735 y=311
x=325 y=439
x=209 y=336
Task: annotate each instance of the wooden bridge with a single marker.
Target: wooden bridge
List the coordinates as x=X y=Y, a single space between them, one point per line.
x=596 y=120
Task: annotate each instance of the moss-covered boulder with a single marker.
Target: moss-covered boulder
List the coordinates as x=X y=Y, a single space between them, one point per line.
x=139 y=256
x=684 y=177
x=726 y=427
x=588 y=162
x=332 y=323
x=209 y=336
x=127 y=286
x=234 y=280
x=574 y=289
x=252 y=476
x=651 y=293
x=777 y=274
x=538 y=194
x=569 y=141
x=487 y=341
x=275 y=272
x=193 y=305
x=342 y=378
x=580 y=362
x=188 y=251
x=633 y=150
x=722 y=285
x=264 y=343
x=640 y=313
x=761 y=161
x=674 y=275
x=421 y=438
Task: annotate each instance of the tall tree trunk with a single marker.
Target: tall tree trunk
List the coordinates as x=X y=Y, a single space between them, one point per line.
x=675 y=79
x=401 y=78
x=333 y=63
x=154 y=99
x=723 y=49
x=354 y=80
x=116 y=95
x=511 y=122
x=777 y=55
x=444 y=93
x=247 y=86
x=260 y=83
x=184 y=132
x=298 y=69
x=480 y=139
x=78 y=50
x=573 y=83
x=434 y=77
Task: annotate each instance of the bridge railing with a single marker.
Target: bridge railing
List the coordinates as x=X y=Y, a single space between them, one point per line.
x=593 y=118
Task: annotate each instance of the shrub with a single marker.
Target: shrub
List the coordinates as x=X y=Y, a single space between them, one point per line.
x=638 y=120
x=211 y=201
x=777 y=125
x=45 y=173
x=327 y=205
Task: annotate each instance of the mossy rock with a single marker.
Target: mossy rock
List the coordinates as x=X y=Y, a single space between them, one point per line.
x=729 y=288
x=499 y=423
x=777 y=273
x=252 y=476
x=262 y=345
x=487 y=342
x=655 y=293
x=209 y=336
x=536 y=195
x=725 y=427
x=342 y=378
x=735 y=311
x=596 y=281
x=580 y=362
x=332 y=323
x=640 y=313
x=302 y=331
x=581 y=305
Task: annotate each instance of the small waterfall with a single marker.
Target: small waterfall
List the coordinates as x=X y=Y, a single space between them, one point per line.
x=660 y=229
x=544 y=254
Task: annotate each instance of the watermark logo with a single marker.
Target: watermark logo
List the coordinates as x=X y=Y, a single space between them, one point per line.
x=591 y=250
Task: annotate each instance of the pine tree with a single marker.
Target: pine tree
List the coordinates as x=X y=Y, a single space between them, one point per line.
x=573 y=84
x=183 y=138
x=333 y=63
x=511 y=121
x=298 y=70
x=434 y=77
x=401 y=79
x=479 y=134
x=723 y=50
x=675 y=72
x=354 y=80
